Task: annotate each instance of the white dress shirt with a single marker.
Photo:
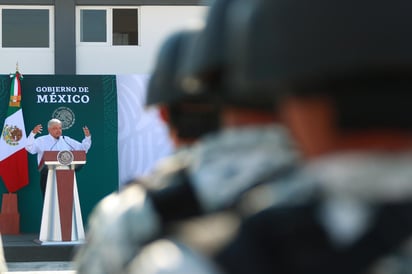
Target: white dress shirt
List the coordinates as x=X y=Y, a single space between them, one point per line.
x=47 y=142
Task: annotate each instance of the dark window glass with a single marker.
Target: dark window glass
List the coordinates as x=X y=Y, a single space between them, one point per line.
x=25 y=28
x=93 y=26
x=125 y=27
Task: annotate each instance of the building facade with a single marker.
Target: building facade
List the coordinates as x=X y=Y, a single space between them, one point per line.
x=90 y=36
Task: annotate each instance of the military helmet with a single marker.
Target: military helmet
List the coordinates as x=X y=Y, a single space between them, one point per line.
x=205 y=58
x=358 y=53
x=319 y=45
x=207 y=61
x=191 y=114
x=163 y=86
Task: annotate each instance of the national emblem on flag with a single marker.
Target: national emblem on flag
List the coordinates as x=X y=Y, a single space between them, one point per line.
x=13 y=155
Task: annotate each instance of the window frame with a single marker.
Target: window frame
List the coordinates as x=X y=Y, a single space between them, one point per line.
x=109 y=26
x=19 y=7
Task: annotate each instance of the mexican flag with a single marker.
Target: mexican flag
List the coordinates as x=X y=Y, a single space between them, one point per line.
x=13 y=155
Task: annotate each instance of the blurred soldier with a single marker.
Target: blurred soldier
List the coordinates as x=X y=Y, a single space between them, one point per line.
x=250 y=149
x=123 y=221
x=343 y=70
x=189 y=117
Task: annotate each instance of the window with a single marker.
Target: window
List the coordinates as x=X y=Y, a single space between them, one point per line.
x=25 y=28
x=93 y=26
x=115 y=26
x=125 y=27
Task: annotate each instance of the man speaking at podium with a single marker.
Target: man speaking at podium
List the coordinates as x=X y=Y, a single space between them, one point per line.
x=54 y=141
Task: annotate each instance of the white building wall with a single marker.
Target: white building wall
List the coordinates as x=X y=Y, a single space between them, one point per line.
x=155 y=24
x=30 y=61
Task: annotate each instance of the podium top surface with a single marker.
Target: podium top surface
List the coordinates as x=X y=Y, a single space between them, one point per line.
x=78 y=158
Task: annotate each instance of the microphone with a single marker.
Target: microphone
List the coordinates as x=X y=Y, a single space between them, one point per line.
x=64 y=139
x=54 y=145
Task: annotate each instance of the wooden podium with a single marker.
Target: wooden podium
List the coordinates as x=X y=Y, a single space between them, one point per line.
x=62 y=218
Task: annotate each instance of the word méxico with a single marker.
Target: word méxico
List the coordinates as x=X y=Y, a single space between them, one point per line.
x=63 y=98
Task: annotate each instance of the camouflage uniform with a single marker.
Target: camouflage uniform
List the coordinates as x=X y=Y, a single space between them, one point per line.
x=339 y=214
x=221 y=168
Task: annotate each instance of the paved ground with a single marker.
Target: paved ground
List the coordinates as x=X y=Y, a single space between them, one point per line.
x=24 y=255
x=40 y=267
